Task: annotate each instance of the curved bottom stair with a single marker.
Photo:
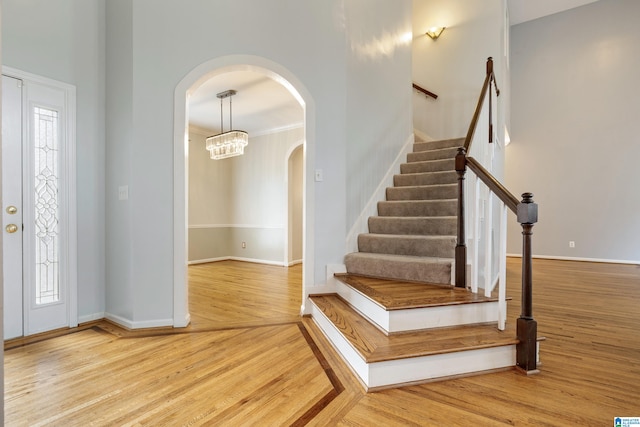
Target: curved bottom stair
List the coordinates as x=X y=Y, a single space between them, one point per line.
x=386 y=355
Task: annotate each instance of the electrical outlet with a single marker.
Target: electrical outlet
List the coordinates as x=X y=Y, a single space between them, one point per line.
x=319 y=175
x=244 y=245
x=572 y=244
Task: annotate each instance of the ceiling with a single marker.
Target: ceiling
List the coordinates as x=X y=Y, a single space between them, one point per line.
x=528 y=10
x=263 y=105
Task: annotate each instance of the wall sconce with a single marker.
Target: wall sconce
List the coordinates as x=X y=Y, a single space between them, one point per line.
x=434 y=32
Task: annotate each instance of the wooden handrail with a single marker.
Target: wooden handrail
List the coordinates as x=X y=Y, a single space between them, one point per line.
x=476 y=114
x=489 y=78
x=425 y=91
x=527 y=215
x=494 y=185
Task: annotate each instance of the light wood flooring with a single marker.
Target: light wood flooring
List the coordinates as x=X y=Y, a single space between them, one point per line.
x=249 y=359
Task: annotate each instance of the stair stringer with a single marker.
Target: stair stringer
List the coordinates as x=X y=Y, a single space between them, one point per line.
x=371 y=208
x=413 y=319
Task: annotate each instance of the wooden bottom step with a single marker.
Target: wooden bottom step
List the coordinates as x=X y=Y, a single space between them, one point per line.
x=399 y=306
x=399 y=295
x=375 y=346
x=383 y=361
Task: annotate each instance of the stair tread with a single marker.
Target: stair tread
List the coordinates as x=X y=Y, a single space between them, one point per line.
x=402 y=295
x=374 y=346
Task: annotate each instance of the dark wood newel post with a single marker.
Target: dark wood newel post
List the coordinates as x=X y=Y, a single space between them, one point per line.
x=527 y=327
x=461 y=246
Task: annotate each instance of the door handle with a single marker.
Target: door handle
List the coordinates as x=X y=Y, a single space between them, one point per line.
x=12 y=210
x=11 y=228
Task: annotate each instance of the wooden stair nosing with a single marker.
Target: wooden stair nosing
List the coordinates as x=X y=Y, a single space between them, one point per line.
x=374 y=346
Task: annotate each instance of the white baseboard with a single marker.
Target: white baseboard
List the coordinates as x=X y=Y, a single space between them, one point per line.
x=567 y=258
x=129 y=324
x=91 y=317
x=184 y=322
x=235 y=258
x=294 y=262
x=207 y=260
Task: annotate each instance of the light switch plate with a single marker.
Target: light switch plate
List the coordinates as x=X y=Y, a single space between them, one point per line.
x=123 y=192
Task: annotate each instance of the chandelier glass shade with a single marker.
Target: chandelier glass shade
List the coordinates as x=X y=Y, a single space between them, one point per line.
x=230 y=143
x=227 y=144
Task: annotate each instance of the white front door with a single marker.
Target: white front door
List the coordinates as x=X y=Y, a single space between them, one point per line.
x=12 y=205
x=38 y=190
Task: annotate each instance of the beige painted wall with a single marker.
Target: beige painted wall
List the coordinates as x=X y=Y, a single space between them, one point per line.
x=240 y=199
x=295 y=187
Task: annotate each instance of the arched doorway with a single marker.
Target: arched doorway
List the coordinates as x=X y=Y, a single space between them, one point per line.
x=187 y=85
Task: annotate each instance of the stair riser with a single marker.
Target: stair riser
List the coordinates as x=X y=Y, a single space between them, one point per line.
x=435 y=145
x=426 y=178
x=440 y=366
x=418 y=226
x=429 y=166
x=415 y=319
x=420 y=156
x=418 y=208
x=438 y=247
x=392 y=269
x=429 y=192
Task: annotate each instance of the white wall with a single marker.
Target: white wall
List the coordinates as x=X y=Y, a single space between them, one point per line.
x=575 y=144
x=378 y=94
x=65 y=40
x=453 y=66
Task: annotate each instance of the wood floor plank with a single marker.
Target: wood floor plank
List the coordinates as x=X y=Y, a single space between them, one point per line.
x=219 y=372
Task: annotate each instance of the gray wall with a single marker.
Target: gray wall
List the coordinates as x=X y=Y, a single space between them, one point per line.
x=126 y=59
x=168 y=40
x=575 y=141
x=65 y=40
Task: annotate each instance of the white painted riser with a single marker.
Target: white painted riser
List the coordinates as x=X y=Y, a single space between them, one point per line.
x=418 y=318
x=416 y=369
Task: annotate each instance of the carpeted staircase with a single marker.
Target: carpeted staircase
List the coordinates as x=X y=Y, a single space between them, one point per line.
x=394 y=317
x=413 y=237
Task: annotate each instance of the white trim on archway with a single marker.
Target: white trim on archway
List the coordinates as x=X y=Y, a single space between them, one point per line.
x=185 y=87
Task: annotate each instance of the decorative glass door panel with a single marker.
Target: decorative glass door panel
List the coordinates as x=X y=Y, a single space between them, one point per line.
x=46 y=161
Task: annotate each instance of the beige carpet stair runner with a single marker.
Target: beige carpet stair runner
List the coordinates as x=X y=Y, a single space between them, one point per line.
x=414 y=235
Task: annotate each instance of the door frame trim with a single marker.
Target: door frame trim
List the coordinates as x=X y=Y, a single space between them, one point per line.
x=68 y=247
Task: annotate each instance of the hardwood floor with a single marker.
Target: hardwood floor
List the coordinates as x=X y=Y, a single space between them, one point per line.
x=249 y=359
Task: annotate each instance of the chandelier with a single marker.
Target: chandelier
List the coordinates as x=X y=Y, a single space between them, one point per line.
x=230 y=143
